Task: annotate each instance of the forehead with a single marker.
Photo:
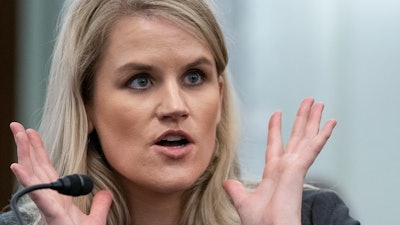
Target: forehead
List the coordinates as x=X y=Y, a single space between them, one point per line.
x=150 y=35
x=152 y=26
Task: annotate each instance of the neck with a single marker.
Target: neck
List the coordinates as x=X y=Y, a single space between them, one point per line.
x=155 y=208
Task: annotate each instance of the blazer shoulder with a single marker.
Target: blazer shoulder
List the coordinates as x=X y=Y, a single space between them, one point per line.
x=8 y=218
x=324 y=207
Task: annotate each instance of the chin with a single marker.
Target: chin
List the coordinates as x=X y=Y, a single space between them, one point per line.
x=176 y=186
x=173 y=184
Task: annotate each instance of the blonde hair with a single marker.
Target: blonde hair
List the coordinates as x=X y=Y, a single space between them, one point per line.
x=64 y=127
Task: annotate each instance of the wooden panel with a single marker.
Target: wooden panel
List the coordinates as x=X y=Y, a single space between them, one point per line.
x=7 y=96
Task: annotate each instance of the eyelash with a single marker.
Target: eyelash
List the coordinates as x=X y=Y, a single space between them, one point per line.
x=134 y=78
x=202 y=76
x=149 y=81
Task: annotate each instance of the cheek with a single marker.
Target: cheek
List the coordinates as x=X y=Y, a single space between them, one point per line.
x=118 y=124
x=124 y=142
x=209 y=109
x=207 y=114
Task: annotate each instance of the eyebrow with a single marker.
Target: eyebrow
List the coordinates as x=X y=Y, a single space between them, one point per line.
x=148 y=67
x=199 y=61
x=134 y=66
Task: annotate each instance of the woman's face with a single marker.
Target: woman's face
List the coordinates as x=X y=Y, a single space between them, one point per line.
x=156 y=105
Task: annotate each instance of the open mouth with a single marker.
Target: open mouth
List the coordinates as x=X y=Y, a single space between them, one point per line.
x=173 y=141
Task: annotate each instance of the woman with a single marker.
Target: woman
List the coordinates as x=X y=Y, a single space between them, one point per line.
x=138 y=98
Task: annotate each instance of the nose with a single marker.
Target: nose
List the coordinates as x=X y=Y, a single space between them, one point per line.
x=173 y=105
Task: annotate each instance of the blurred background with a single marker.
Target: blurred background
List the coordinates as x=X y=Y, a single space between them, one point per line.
x=345 y=53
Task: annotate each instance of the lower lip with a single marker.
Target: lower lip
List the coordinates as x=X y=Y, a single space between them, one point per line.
x=173 y=152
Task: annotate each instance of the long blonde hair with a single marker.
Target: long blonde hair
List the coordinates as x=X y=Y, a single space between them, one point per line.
x=84 y=31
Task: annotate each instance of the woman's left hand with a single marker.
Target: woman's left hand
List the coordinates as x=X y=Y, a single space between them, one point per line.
x=278 y=197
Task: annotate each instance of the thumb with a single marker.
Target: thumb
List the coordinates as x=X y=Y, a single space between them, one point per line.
x=101 y=205
x=236 y=191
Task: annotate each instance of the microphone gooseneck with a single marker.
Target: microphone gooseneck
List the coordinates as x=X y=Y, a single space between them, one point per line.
x=72 y=185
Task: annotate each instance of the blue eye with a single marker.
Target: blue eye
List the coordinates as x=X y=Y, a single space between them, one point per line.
x=141 y=81
x=194 y=77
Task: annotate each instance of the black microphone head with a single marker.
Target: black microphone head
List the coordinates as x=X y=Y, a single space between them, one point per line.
x=74 y=185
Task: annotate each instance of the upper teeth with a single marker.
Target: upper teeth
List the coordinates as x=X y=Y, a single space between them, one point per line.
x=172 y=138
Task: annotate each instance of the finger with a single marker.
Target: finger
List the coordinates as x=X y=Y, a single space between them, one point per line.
x=39 y=172
x=300 y=123
x=33 y=154
x=319 y=141
x=20 y=173
x=40 y=156
x=302 y=117
x=324 y=135
x=236 y=191
x=22 y=142
x=275 y=147
x=24 y=171
x=33 y=166
x=274 y=139
x=37 y=144
x=16 y=127
x=314 y=120
x=101 y=206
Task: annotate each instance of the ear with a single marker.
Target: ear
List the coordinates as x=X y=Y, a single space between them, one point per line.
x=90 y=126
x=89 y=121
x=221 y=84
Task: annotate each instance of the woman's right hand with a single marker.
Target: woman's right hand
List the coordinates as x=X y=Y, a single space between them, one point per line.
x=34 y=167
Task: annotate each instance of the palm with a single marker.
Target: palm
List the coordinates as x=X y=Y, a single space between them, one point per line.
x=34 y=167
x=277 y=199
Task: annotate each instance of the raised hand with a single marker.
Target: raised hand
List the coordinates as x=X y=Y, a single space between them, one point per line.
x=34 y=167
x=277 y=198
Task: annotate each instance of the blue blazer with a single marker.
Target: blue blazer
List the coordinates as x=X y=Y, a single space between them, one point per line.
x=324 y=207
x=319 y=207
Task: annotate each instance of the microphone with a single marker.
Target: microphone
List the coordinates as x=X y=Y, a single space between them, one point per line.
x=72 y=185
